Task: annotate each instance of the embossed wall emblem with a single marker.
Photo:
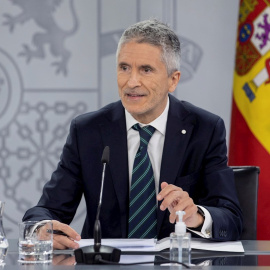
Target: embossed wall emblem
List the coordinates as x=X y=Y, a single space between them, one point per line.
x=50 y=34
x=49 y=73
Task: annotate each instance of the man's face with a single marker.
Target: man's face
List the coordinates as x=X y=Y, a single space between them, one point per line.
x=143 y=81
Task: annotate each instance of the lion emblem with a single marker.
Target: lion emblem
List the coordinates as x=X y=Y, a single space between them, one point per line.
x=41 y=12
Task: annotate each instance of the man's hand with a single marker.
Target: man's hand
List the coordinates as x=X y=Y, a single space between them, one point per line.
x=175 y=199
x=64 y=242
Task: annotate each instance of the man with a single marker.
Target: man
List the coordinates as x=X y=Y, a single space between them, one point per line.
x=186 y=153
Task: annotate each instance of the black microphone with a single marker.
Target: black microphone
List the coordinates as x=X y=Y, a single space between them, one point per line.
x=95 y=253
x=97 y=229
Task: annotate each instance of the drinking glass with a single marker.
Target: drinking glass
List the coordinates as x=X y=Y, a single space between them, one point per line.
x=36 y=241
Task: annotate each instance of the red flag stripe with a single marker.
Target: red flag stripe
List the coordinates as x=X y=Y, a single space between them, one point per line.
x=245 y=149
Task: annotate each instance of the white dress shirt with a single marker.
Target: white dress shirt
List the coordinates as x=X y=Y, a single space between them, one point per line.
x=155 y=150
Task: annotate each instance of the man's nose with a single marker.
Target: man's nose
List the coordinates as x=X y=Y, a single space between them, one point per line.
x=134 y=80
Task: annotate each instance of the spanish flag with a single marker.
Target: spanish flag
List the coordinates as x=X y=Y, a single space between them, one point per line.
x=250 y=122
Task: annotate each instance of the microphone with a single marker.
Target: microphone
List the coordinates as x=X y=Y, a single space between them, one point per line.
x=97 y=229
x=95 y=253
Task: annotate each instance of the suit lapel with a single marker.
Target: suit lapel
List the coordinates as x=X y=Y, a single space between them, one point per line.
x=178 y=131
x=115 y=136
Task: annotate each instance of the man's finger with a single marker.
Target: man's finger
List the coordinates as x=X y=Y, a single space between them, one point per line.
x=167 y=190
x=66 y=229
x=66 y=242
x=173 y=199
x=57 y=245
x=163 y=185
x=63 y=242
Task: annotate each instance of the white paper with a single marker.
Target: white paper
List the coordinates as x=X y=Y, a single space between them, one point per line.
x=150 y=244
x=205 y=244
x=229 y=246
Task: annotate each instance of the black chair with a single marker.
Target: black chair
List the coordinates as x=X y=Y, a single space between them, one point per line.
x=246 y=182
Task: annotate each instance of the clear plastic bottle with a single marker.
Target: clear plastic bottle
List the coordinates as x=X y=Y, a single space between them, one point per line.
x=3 y=239
x=180 y=241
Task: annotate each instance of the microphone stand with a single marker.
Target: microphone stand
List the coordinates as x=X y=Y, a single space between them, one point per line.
x=97 y=228
x=94 y=253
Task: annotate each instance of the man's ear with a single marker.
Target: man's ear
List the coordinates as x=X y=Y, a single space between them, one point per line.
x=174 y=79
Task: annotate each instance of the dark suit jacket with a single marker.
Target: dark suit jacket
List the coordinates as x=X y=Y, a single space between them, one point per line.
x=195 y=161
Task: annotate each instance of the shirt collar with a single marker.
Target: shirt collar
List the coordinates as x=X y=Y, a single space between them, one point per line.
x=159 y=123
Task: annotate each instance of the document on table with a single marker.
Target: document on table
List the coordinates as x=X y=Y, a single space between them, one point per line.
x=205 y=244
x=153 y=245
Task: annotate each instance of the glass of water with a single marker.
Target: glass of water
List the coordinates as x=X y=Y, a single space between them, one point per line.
x=36 y=241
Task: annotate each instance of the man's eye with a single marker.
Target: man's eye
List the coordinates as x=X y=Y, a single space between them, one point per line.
x=147 y=70
x=124 y=68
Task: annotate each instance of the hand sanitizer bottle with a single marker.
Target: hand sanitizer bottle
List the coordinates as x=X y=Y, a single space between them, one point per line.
x=180 y=241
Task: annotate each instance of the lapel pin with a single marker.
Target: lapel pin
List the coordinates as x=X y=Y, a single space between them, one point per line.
x=184 y=131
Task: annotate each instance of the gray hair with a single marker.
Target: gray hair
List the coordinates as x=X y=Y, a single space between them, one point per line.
x=157 y=34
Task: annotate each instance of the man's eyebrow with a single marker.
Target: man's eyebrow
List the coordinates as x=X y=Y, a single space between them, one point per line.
x=123 y=64
x=147 y=66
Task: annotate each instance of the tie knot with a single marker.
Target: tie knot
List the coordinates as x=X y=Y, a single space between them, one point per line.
x=146 y=133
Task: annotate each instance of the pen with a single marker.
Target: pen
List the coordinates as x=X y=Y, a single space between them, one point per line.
x=58 y=232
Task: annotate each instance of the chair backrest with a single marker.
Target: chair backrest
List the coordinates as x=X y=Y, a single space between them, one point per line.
x=246 y=182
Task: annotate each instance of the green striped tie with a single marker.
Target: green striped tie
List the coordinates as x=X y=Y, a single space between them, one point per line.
x=142 y=203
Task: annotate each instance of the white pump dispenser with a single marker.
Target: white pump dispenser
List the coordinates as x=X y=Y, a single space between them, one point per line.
x=180 y=226
x=180 y=241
